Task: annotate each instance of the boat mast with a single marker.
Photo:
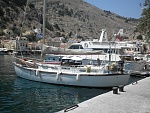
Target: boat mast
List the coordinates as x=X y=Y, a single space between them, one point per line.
x=109 y=57
x=43 y=36
x=44 y=19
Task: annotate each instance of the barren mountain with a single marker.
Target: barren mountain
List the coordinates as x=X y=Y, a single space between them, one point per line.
x=63 y=17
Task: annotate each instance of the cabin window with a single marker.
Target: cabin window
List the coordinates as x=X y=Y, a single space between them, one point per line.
x=84 y=61
x=52 y=58
x=96 y=43
x=110 y=51
x=70 y=62
x=76 y=47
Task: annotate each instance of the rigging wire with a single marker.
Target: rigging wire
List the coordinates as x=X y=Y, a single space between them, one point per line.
x=22 y=25
x=21 y=29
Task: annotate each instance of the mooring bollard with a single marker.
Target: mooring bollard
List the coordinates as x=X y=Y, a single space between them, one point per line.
x=115 y=90
x=121 y=88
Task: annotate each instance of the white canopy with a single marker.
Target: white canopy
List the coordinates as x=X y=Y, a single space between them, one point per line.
x=57 y=50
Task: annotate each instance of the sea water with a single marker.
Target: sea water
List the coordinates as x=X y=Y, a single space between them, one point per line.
x=18 y=95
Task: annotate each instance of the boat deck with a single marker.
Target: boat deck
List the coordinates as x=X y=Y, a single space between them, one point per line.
x=134 y=99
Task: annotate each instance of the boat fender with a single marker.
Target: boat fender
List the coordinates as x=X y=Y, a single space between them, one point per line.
x=58 y=76
x=78 y=77
x=37 y=73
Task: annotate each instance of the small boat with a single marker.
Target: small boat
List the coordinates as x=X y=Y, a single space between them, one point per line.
x=3 y=51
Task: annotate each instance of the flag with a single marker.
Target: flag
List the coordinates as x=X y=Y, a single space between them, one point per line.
x=119 y=38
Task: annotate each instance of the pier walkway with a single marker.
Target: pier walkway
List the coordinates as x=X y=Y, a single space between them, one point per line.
x=134 y=99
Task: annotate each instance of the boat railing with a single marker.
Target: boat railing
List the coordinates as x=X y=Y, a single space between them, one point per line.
x=29 y=58
x=73 y=68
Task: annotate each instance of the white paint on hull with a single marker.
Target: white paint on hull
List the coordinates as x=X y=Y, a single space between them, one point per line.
x=87 y=80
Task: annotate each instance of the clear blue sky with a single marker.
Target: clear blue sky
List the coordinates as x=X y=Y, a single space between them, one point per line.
x=126 y=8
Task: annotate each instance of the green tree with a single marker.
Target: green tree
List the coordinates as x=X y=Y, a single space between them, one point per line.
x=144 y=23
x=1 y=12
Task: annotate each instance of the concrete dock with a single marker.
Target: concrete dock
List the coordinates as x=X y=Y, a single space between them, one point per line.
x=134 y=99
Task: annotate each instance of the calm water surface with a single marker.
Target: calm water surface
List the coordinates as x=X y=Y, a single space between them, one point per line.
x=21 y=96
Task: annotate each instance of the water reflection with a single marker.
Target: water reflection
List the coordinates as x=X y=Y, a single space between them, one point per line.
x=50 y=98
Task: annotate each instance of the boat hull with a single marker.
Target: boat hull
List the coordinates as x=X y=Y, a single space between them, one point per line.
x=4 y=53
x=134 y=67
x=84 y=80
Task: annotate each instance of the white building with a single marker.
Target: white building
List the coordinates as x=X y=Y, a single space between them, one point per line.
x=21 y=44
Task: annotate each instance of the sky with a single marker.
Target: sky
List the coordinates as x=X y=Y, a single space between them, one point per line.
x=125 y=8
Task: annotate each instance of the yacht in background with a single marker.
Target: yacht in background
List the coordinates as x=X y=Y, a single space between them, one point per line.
x=5 y=51
x=116 y=47
x=128 y=51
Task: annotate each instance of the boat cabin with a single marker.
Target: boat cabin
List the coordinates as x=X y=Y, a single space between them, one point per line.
x=79 y=61
x=71 y=61
x=52 y=58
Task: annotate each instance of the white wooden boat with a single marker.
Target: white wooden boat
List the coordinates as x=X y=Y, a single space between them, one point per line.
x=72 y=73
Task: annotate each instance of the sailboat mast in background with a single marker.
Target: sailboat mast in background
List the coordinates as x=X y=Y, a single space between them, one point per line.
x=44 y=19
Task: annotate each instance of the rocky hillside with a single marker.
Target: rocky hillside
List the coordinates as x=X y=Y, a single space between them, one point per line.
x=63 y=17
